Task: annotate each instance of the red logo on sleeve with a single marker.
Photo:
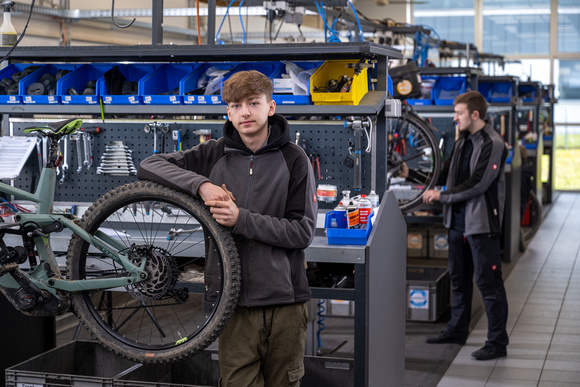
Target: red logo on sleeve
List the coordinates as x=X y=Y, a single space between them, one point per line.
x=494 y=166
x=494 y=267
x=314 y=198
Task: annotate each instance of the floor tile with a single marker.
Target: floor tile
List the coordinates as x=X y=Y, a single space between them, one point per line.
x=560 y=376
x=496 y=382
x=460 y=381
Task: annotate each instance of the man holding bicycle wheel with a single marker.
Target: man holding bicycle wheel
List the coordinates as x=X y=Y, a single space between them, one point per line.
x=258 y=182
x=473 y=205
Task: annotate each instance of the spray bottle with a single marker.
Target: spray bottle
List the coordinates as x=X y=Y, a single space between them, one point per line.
x=7 y=30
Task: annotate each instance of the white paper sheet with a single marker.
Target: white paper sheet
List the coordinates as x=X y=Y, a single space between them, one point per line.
x=14 y=152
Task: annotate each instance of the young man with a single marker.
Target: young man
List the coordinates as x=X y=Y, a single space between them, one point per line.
x=473 y=205
x=258 y=182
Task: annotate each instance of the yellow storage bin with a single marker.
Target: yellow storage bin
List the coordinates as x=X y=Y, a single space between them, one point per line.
x=333 y=70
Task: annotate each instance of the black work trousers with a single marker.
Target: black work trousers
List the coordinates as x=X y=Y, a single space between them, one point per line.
x=479 y=254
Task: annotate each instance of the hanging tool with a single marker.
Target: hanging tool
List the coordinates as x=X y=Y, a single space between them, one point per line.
x=65 y=160
x=204 y=134
x=176 y=140
x=79 y=153
x=152 y=127
x=358 y=125
x=164 y=131
x=316 y=165
x=86 y=147
x=89 y=142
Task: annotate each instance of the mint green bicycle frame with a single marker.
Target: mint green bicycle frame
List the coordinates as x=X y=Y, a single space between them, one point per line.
x=44 y=198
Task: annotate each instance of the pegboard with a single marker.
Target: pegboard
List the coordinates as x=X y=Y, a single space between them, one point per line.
x=327 y=139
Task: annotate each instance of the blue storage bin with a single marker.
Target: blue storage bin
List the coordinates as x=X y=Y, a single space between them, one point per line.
x=289 y=98
x=266 y=68
x=484 y=88
x=7 y=72
x=60 y=70
x=346 y=236
x=530 y=145
x=164 y=86
x=424 y=101
x=527 y=93
x=420 y=102
x=78 y=80
x=447 y=89
x=501 y=92
x=191 y=84
x=132 y=73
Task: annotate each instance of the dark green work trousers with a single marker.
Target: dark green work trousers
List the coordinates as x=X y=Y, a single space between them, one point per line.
x=264 y=347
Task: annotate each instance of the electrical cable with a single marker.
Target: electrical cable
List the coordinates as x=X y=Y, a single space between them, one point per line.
x=333 y=34
x=222 y=23
x=22 y=35
x=242 y=23
x=115 y=22
x=361 y=37
x=369 y=135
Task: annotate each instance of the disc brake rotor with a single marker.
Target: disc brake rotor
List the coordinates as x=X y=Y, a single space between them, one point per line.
x=161 y=268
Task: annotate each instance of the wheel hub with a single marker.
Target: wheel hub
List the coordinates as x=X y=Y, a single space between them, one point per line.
x=161 y=268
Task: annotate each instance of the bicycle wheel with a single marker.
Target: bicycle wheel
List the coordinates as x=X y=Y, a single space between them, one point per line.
x=411 y=141
x=193 y=267
x=535 y=217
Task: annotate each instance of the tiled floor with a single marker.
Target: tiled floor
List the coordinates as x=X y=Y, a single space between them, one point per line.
x=543 y=291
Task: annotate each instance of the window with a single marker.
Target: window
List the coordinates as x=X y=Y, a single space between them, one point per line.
x=451 y=19
x=516 y=27
x=568 y=26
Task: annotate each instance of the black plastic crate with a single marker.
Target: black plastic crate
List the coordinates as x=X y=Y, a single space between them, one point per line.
x=428 y=292
x=79 y=363
x=200 y=370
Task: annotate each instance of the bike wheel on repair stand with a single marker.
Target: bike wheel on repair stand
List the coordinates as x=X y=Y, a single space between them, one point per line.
x=193 y=267
x=411 y=141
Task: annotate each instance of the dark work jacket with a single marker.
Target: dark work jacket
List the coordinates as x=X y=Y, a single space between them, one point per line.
x=484 y=190
x=276 y=195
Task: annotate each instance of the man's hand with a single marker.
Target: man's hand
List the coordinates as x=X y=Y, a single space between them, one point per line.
x=225 y=212
x=221 y=203
x=210 y=192
x=404 y=172
x=431 y=196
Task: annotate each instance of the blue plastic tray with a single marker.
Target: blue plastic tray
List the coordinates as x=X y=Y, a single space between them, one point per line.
x=157 y=88
x=7 y=72
x=78 y=79
x=447 y=89
x=346 y=236
x=132 y=73
x=501 y=92
x=34 y=77
x=189 y=84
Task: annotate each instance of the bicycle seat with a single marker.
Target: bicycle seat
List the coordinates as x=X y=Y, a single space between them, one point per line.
x=57 y=129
